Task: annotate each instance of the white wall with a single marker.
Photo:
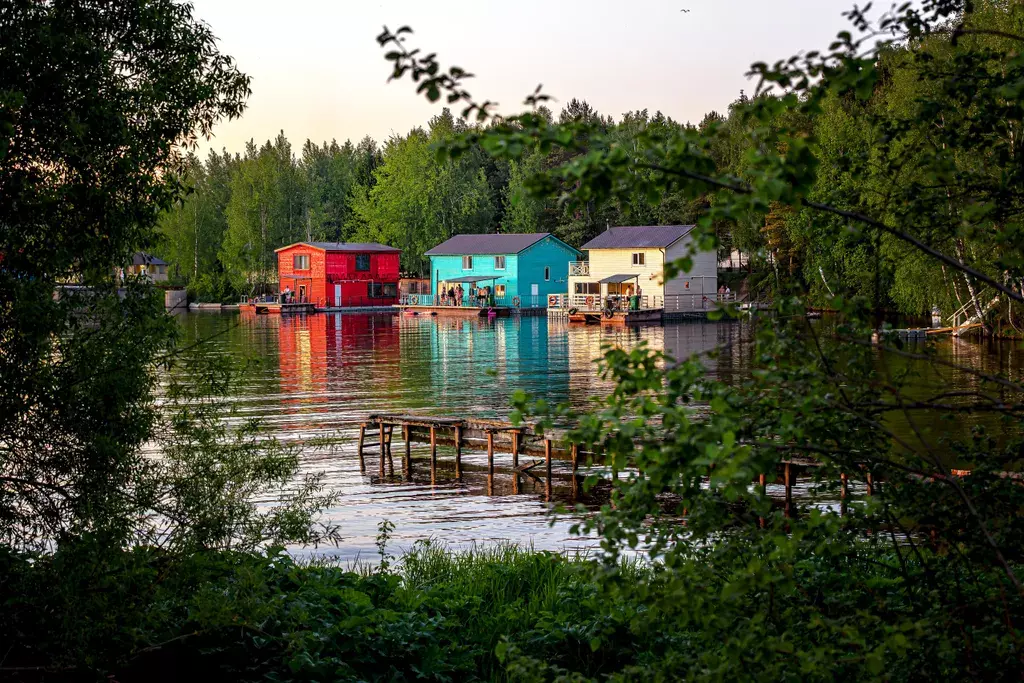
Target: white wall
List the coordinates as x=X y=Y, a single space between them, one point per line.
x=687 y=290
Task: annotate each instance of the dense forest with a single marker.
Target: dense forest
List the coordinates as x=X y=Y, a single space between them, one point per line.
x=220 y=240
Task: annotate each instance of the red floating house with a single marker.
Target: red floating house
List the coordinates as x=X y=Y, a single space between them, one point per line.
x=340 y=275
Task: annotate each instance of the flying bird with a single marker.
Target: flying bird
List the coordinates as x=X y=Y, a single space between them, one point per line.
x=684 y=10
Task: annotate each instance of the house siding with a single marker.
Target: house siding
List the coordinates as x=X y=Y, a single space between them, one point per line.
x=695 y=289
x=521 y=270
x=330 y=268
x=684 y=292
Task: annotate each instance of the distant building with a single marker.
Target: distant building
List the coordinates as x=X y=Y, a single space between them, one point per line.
x=630 y=260
x=337 y=274
x=506 y=269
x=148 y=266
x=417 y=286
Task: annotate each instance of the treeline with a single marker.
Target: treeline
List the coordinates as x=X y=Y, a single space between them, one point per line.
x=220 y=240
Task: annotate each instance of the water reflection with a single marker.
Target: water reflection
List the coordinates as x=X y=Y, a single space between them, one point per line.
x=318 y=376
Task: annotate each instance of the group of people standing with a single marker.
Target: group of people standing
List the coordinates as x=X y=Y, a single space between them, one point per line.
x=455 y=296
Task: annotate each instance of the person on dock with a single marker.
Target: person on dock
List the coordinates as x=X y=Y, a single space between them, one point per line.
x=451 y=296
x=458 y=295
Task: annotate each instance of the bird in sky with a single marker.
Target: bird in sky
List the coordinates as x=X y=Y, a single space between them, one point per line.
x=684 y=10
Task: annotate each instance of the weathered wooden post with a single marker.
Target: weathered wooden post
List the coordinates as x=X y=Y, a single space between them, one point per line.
x=871 y=485
x=490 y=453
x=391 y=459
x=382 y=447
x=515 y=461
x=575 y=467
x=844 y=486
x=762 y=482
x=458 y=452
x=433 y=455
x=408 y=453
x=362 y=437
x=547 y=466
x=788 y=474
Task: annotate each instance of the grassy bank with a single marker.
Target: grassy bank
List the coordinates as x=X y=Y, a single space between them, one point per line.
x=497 y=614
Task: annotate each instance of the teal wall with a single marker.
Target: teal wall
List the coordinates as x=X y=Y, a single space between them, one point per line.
x=521 y=270
x=554 y=254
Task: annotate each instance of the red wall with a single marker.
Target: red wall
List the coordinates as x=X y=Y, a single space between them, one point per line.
x=317 y=288
x=328 y=268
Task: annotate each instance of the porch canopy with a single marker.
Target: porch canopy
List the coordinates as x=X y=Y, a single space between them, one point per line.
x=471 y=278
x=616 y=279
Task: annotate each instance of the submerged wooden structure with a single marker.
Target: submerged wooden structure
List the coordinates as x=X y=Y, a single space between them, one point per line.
x=520 y=450
x=494 y=436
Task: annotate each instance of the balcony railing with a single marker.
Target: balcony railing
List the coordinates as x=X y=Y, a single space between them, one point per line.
x=672 y=303
x=473 y=302
x=579 y=268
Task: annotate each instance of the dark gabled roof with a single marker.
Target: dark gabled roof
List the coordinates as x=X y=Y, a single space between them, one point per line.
x=361 y=247
x=505 y=243
x=141 y=258
x=640 y=236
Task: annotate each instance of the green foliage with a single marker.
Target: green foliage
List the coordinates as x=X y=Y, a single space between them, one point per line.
x=868 y=170
x=500 y=614
x=90 y=156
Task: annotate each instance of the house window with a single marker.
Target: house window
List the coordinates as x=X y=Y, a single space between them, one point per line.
x=499 y=290
x=381 y=290
x=639 y=258
x=547 y=273
x=300 y=262
x=588 y=288
x=499 y=263
x=362 y=262
x=467 y=263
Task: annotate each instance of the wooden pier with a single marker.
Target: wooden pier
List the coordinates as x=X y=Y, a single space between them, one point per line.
x=496 y=437
x=520 y=451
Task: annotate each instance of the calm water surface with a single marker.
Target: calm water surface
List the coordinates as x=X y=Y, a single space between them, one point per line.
x=315 y=376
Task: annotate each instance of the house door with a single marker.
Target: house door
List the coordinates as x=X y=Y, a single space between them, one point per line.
x=337 y=295
x=302 y=293
x=534 y=294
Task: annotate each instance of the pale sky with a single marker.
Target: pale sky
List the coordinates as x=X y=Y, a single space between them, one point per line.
x=317 y=71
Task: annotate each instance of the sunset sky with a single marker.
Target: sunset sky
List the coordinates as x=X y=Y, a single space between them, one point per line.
x=317 y=71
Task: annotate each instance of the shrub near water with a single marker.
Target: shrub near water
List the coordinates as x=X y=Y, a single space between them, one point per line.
x=497 y=614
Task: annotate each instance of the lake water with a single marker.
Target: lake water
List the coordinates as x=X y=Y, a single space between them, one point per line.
x=314 y=377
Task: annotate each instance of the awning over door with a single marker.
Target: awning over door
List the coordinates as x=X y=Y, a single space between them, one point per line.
x=615 y=279
x=472 y=278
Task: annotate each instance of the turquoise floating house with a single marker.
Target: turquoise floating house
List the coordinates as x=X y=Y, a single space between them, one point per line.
x=514 y=270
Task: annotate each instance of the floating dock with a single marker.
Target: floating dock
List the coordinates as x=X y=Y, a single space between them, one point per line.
x=274 y=308
x=467 y=311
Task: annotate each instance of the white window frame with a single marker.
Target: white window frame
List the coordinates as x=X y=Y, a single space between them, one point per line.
x=547 y=273
x=499 y=260
x=298 y=259
x=467 y=263
x=499 y=291
x=639 y=259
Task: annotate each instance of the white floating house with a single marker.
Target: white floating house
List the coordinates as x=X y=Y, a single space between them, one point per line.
x=629 y=261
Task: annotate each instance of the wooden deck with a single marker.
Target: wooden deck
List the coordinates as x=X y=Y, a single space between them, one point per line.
x=273 y=308
x=468 y=311
x=649 y=316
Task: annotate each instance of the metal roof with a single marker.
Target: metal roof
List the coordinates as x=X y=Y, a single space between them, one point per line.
x=622 y=277
x=639 y=236
x=141 y=258
x=471 y=245
x=362 y=247
x=472 y=278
